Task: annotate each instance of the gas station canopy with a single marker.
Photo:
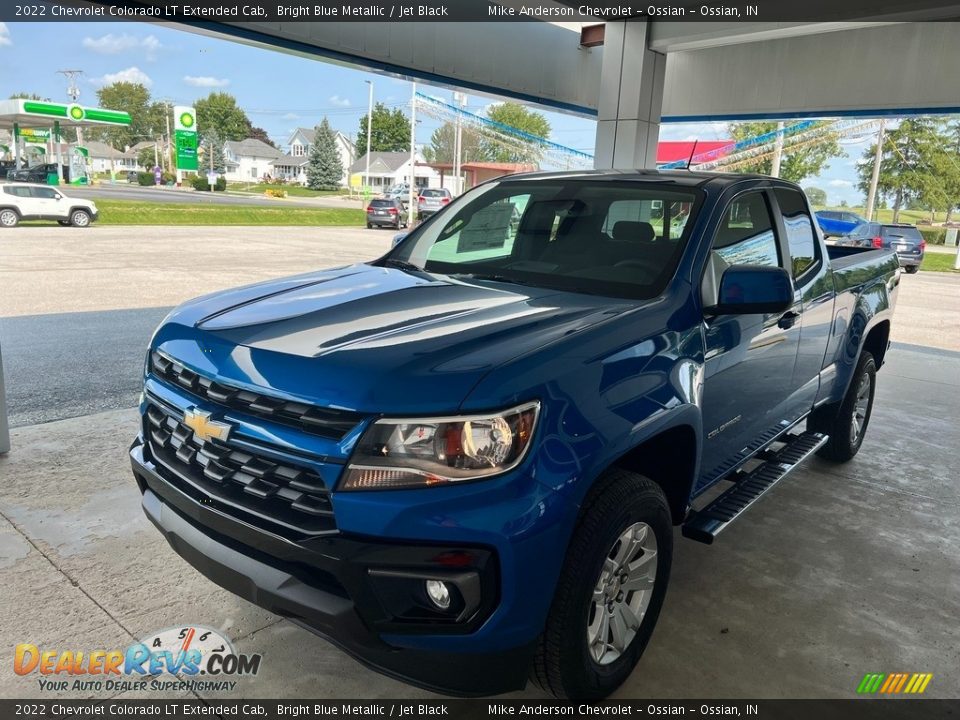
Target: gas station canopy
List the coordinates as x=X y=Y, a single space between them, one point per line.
x=40 y=112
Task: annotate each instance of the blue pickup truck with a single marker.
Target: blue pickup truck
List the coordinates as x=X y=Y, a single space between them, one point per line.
x=462 y=462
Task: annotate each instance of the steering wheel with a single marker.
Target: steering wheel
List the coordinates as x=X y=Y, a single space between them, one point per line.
x=652 y=267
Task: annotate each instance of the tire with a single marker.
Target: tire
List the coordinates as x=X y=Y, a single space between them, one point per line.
x=566 y=662
x=64 y=223
x=369 y=226
x=80 y=218
x=9 y=218
x=912 y=269
x=847 y=423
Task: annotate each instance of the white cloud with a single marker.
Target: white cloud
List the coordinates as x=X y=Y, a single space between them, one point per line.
x=840 y=183
x=339 y=101
x=291 y=116
x=111 y=44
x=5 y=35
x=131 y=75
x=205 y=81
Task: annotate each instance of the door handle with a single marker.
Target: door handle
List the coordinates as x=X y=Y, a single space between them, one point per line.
x=788 y=320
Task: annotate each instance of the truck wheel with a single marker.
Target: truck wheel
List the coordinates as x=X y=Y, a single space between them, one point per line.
x=847 y=424
x=80 y=218
x=911 y=269
x=610 y=591
x=9 y=218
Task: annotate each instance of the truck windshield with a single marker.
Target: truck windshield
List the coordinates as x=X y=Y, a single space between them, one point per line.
x=619 y=239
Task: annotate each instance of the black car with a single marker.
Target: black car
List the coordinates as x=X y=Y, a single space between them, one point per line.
x=386 y=212
x=902 y=238
x=37 y=173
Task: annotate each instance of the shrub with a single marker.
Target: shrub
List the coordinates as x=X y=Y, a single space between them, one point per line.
x=145 y=178
x=199 y=182
x=221 y=184
x=934 y=236
x=275 y=193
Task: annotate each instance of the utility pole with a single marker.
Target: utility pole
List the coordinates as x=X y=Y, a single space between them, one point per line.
x=875 y=176
x=777 y=151
x=460 y=100
x=411 y=206
x=366 y=175
x=73 y=91
x=166 y=149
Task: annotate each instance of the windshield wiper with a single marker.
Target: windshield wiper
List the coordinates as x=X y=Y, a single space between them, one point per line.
x=492 y=277
x=401 y=265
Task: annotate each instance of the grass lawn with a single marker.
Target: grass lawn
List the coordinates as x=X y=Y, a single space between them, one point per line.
x=939 y=262
x=291 y=190
x=885 y=215
x=134 y=212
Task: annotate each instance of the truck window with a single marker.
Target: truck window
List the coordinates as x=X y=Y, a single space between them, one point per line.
x=489 y=234
x=801 y=238
x=745 y=235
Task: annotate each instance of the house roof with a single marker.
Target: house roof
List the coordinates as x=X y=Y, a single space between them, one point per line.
x=137 y=147
x=251 y=147
x=294 y=160
x=391 y=161
x=310 y=134
x=102 y=150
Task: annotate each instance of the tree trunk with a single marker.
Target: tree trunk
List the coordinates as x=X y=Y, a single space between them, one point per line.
x=949 y=214
x=897 y=201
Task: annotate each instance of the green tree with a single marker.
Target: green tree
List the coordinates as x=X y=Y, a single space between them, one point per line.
x=952 y=162
x=911 y=162
x=816 y=196
x=796 y=164
x=443 y=140
x=390 y=131
x=258 y=133
x=147 y=118
x=28 y=96
x=220 y=114
x=324 y=167
x=213 y=143
x=518 y=149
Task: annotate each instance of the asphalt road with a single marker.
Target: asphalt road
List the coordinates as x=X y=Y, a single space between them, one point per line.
x=70 y=364
x=125 y=191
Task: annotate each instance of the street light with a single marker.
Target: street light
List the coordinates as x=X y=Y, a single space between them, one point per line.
x=366 y=178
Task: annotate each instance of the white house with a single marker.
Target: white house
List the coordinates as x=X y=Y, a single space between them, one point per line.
x=249 y=160
x=103 y=158
x=293 y=165
x=393 y=168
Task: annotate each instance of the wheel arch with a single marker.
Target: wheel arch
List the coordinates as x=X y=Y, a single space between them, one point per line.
x=670 y=458
x=14 y=208
x=877 y=340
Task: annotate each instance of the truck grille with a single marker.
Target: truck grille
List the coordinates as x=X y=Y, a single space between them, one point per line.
x=267 y=492
x=325 y=422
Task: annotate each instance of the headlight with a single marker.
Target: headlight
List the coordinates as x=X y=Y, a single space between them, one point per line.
x=420 y=452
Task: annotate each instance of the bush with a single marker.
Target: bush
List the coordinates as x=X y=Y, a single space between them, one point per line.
x=934 y=236
x=145 y=178
x=199 y=182
x=221 y=184
x=275 y=193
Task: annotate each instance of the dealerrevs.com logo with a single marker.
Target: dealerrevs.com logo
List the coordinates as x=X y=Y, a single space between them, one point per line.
x=193 y=657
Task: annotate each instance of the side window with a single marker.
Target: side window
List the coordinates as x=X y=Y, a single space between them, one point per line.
x=745 y=235
x=44 y=193
x=801 y=238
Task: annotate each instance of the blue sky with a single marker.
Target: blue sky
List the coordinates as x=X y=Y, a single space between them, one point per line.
x=279 y=92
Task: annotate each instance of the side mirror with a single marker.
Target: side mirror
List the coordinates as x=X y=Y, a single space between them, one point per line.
x=753 y=289
x=399 y=238
x=58 y=196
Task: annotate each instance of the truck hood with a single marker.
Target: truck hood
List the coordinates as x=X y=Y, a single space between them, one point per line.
x=373 y=339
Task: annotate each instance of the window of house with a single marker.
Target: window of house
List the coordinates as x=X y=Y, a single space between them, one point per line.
x=253 y=172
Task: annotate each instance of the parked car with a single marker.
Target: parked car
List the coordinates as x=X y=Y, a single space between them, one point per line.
x=401 y=191
x=23 y=201
x=838 y=222
x=386 y=212
x=463 y=461
x=903 y=238
x=38 y=173
x=133 y=176
x=431 y=201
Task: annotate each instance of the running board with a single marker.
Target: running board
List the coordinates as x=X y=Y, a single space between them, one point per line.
x=704 y=525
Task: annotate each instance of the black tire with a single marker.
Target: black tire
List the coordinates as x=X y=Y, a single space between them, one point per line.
x=837 y=421
x=64 y=223
x=563 y=664
x=9 y=218
x=912 y=269
x=80 y=218
x=369 y=226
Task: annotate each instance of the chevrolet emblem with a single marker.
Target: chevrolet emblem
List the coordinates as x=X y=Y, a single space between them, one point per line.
x=203 y=427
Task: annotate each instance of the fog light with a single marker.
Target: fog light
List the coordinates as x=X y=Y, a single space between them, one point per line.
x=439 y=593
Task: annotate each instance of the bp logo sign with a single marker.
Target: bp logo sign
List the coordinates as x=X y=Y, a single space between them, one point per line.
x=75 y=112
x=187 y=120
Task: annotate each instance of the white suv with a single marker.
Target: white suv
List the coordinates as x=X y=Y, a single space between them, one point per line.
x=25 y=201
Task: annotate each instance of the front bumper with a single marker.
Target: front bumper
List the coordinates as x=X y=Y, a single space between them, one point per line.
x=326 y=585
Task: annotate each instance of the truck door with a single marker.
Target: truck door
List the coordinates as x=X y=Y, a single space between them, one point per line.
x=749 y=359
x=814 y=292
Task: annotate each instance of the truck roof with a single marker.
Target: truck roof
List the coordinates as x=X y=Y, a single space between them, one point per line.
x=692 y=178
